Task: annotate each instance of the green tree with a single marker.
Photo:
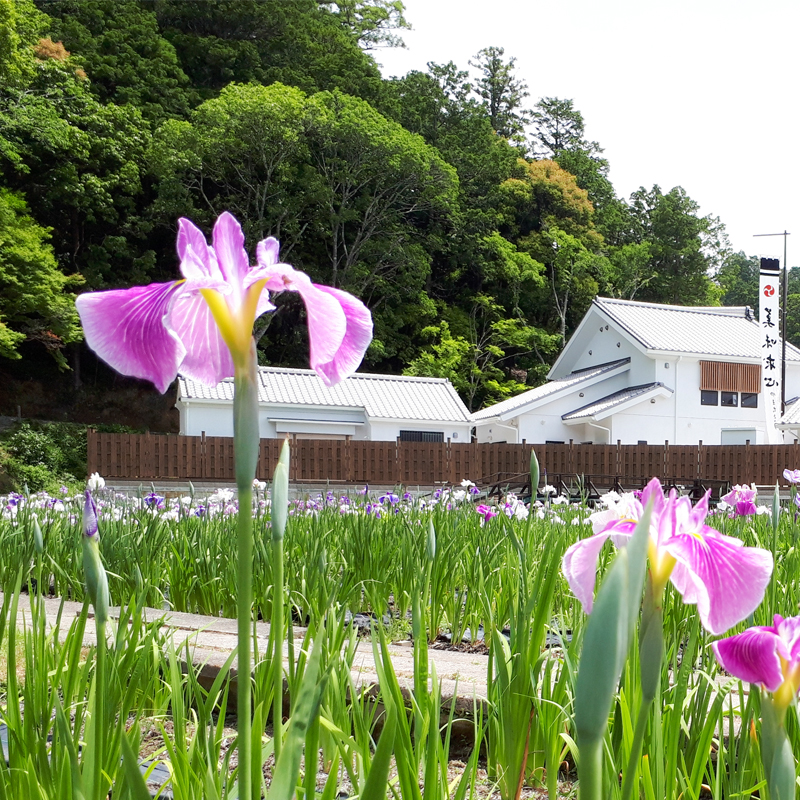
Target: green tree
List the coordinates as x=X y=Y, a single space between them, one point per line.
x=119 y=44
x=244 y=151
x=631 y=269
x=502 y=93
x=684 y=247
x=78 y=161
x=298 y=43
x=738 y=279
x=371 y=22
x=356 y=200
x=559 y=126
x=35 y=299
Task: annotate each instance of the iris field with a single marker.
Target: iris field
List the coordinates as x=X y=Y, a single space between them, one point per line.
x=448 y=562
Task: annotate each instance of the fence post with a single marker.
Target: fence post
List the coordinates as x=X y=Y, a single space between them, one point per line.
x=91 y=451
x=699 y=461
x=748 y=462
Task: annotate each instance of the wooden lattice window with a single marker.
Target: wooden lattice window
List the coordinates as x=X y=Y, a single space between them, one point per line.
x=722 y=376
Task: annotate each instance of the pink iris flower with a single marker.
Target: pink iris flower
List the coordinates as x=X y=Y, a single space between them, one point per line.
x=725 y=579
x=769 y=655
x=742 y=499
x=791 y=476
x=201 y=325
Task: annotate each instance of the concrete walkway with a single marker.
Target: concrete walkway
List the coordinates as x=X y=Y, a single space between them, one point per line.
x=211 y=641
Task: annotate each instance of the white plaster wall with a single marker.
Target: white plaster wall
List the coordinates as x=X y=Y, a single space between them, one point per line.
x=214 y=419
x=696 y=422
x=271 y=430
x=600 y=336
x=545 y=423
x=603 y=347
x=389 y=430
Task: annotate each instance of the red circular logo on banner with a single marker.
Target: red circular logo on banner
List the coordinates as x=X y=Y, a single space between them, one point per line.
x=769 y=290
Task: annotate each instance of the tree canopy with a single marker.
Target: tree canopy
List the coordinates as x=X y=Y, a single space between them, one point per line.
x=475 y=225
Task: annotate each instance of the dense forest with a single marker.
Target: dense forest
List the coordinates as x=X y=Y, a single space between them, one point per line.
x=475 y=223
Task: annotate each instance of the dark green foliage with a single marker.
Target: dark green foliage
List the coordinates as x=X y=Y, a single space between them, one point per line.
x=683 y=246
x=45 y=455
x=298 y=43
x=35 y=298
x=125 y=57
x=738 y=280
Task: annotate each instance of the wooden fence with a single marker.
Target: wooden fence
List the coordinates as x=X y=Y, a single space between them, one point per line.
x=210 y=458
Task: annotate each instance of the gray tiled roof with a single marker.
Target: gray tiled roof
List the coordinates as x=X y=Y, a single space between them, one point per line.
x=704 y=330
x=546 y=389
x=381 y=396
x=792 y=415
x=613 y=400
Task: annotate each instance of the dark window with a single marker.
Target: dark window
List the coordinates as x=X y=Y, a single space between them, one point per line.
x=749 y=400
x=708 y=398
x=730 y=399
x=421 y=436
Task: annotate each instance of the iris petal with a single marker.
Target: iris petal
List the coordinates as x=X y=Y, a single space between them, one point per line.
x=207 y=358
x=752 y=656
x=125 y=327
x=267 y=251
x=231 y=255
x=198 y=261
x=789 y=631
x=358 y=335
x=580 y=568
x=724 y=578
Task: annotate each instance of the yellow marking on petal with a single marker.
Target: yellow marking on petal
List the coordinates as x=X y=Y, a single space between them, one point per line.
x=250 y=305
x=661 y=566
x=236 y=328
x=229 y=326
x=786 y=692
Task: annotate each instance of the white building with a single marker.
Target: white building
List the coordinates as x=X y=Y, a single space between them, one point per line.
x=364 y=406
x=641 y=372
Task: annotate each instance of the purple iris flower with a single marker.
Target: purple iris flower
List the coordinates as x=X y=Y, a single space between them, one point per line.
x=769 y=655
x=718 y=573
x=153 y=500
x=742 y=499
x=201 y=326
x=389 y=497
x=89 y=516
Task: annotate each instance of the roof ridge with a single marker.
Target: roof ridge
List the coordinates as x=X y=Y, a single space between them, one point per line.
x=726 y=311
x=355 y=375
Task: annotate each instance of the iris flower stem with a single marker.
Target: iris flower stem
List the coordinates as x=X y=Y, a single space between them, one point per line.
x=100 y=730
x=651 y=654
x=590 y=786
x=245 y=442
x=277 y=638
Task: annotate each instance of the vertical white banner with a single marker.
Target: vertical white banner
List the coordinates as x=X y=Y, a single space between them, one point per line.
x=769 y=322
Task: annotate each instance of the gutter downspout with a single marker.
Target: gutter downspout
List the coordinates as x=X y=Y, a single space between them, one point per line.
x=675 y=399
x=600 y=427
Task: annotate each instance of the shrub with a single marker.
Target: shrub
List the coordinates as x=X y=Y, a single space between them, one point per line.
x=45 y=455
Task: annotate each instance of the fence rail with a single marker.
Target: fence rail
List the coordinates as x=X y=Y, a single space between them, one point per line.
x=153 y=456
